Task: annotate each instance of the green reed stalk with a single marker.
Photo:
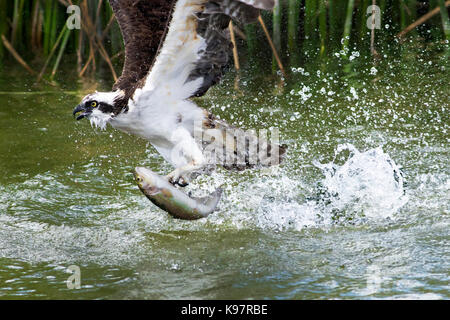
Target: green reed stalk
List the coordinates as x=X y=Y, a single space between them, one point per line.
x=336 y=13
x=347 y=26
x=293 y=20
x=15 y=17
x=412 y=6
x=310 y=19
x=16 y=26
x=322 y=26
x=27 y=17
x=382 y=5
x=48 y=8
x=54 y=23
x=436 y=33
x=363 y=20
x=51 y=53
x=332 y=17
x=60 y=53
x=432 y=4
x=3 y=28
x=402 y=9
x=445 y=21
x=250 y=32
x=276 y=35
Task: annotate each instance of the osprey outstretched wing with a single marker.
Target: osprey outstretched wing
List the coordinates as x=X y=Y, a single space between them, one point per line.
x=143 y=25
x=151 y=98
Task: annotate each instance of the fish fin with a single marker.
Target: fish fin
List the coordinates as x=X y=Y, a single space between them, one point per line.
x=153 y=191
x=211 y=200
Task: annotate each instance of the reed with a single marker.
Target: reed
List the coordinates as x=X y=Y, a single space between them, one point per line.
x=347 y=26
x=3 y=28
x=252 y=42
x=276 y=34
x=17 y=25
x=62 y=48
x=35 y=32
x=403 y=14
x=445 y=21
x=336 y=10
x=292 y=34
x=48 y=10
x=383 y=4
x=322 y=26
x=310 y=19
x=412 y=13
x=362 y=21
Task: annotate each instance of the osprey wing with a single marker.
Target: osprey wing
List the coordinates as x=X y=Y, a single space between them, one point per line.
x=196 y=48
x=143 y=24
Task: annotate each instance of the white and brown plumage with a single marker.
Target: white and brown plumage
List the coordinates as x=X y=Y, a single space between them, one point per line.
x=152 y=97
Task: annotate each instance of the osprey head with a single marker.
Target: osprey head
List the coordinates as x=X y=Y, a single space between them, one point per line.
x=99 y=107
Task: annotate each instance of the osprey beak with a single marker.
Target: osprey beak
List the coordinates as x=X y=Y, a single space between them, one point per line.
x=80 y=112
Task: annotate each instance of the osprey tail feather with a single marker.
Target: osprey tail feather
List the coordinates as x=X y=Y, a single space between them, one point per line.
x=237 y=149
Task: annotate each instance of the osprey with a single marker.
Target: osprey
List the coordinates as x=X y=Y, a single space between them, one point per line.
x=151 y=99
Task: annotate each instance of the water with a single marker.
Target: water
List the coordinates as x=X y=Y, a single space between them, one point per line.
x=360 y=209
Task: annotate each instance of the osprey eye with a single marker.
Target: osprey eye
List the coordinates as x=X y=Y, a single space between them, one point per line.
x=93 y=104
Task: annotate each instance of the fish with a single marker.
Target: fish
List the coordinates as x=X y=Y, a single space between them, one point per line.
x=172 y=200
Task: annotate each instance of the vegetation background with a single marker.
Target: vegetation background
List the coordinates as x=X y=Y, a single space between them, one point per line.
x=34 y=34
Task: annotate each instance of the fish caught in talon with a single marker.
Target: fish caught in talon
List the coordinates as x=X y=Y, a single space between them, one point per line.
x=172 y=200
x=181 y=182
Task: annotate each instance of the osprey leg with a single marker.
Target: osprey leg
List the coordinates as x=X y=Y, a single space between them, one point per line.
x=186 y=149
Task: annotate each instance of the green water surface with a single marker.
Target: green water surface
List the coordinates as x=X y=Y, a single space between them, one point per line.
x=67 y=195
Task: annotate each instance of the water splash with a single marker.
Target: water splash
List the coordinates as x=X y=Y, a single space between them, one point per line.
x=369 y=186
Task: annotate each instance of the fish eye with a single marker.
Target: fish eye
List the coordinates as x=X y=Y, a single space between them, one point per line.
x=94 y=104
